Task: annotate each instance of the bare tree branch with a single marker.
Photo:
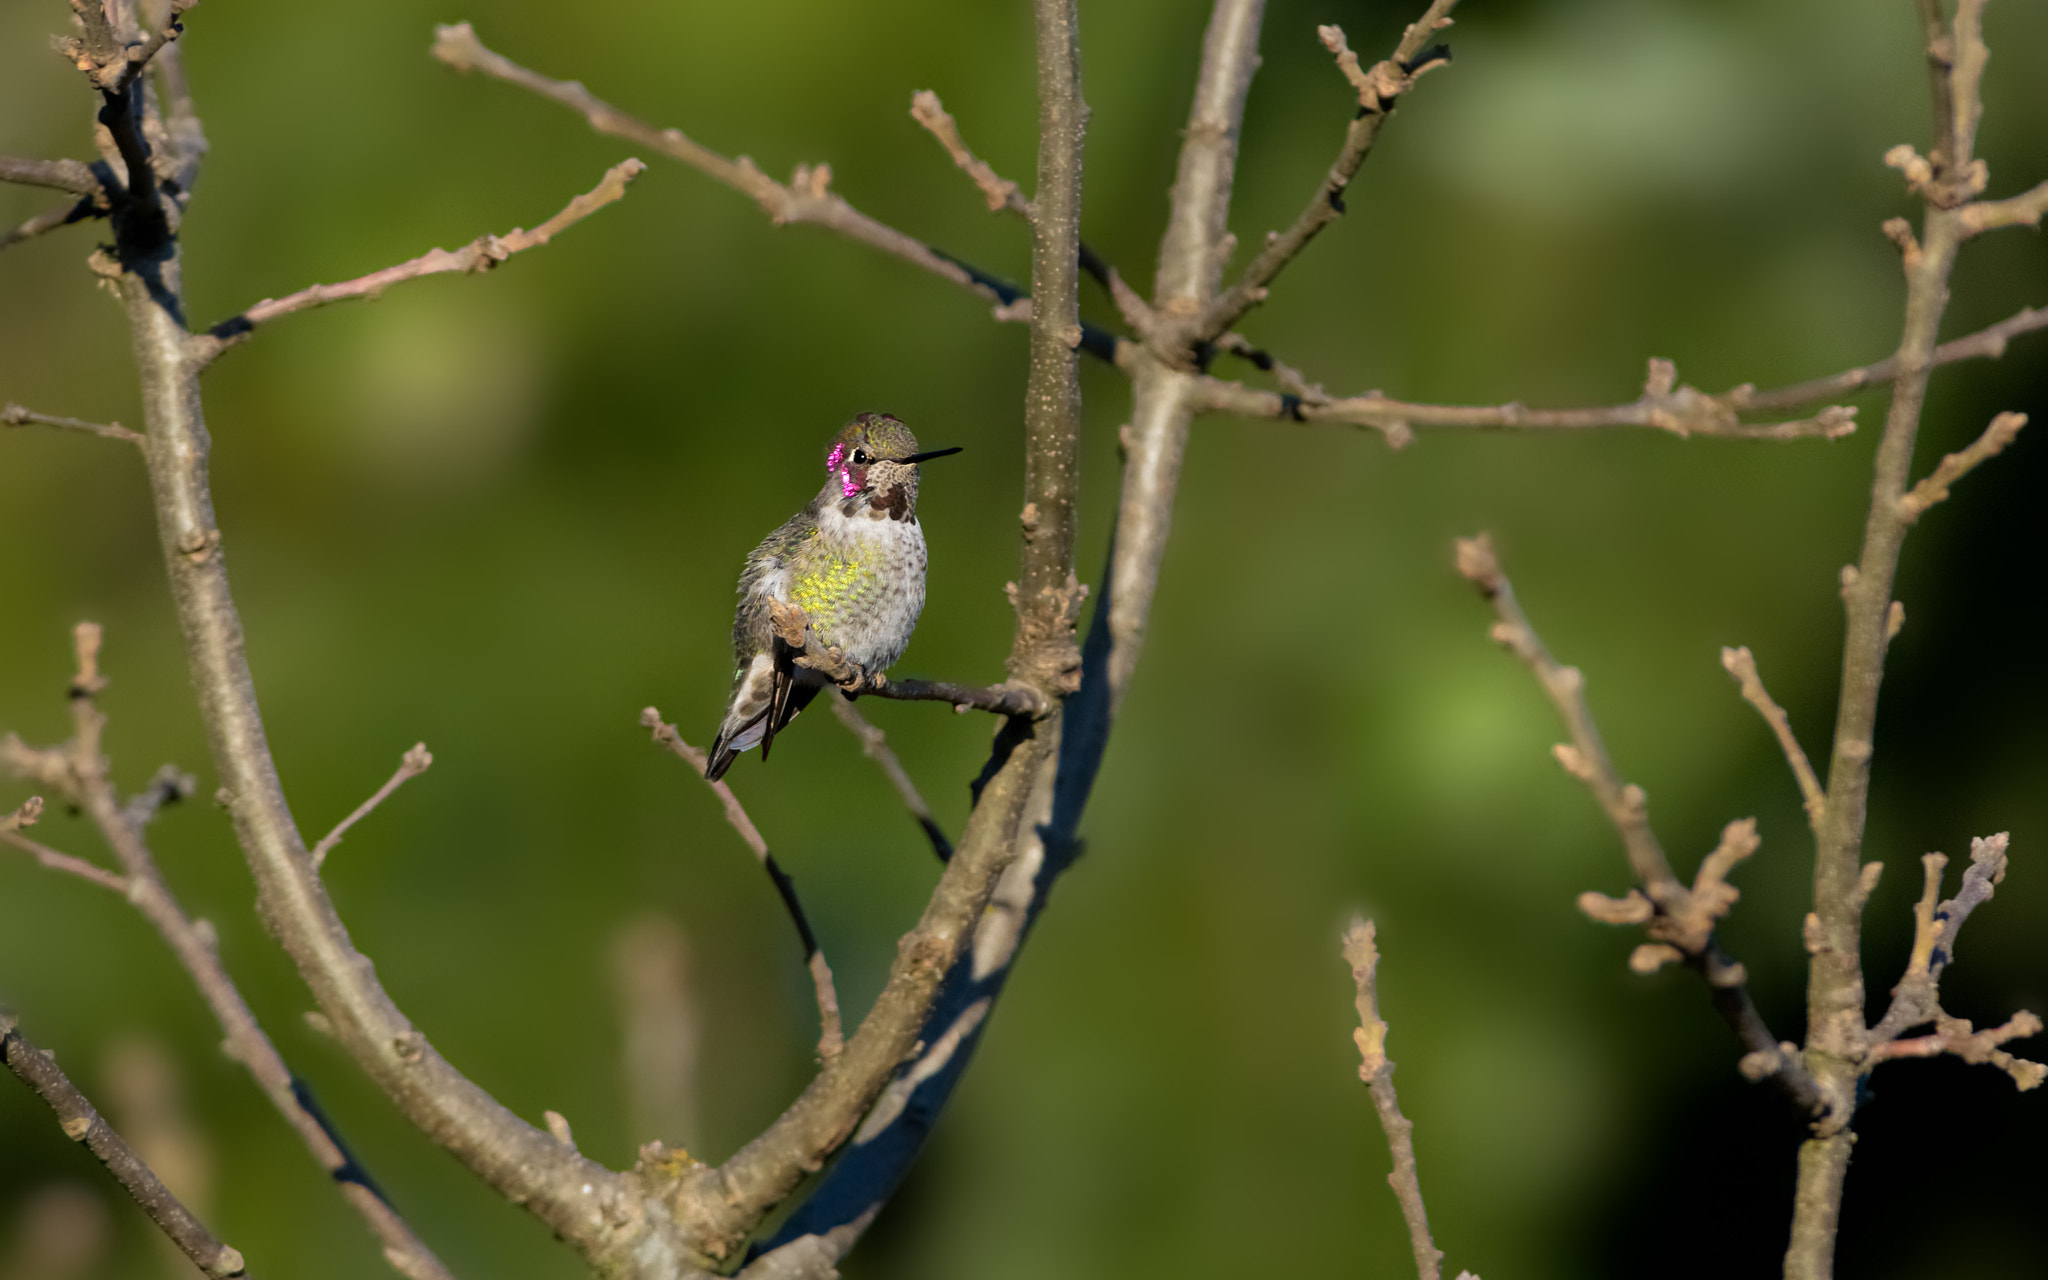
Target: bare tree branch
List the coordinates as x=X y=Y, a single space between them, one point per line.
x=1000 y=192
x=78 y=771
x=1378 y=91
x=1985 y=344
x=14 y=415
x=1917 y=997
x=875 y=744
x=2023 y=210
x=1955 y=466
x=414 y=763
x=1681 y=916
x=831 y=1037
x=807 y=198
x=480 y=254
x=1741 y=664
x=792 y=627
x=1047 y=596
x=50 y=220
x=1377 y=1070
x=577 y=1197
x=1682 y=411
x=39 y=1071
x=27 y=815
x=74 y=176
x=1837 y=1038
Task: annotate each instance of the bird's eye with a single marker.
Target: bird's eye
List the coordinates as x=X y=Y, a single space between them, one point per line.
x=860 y=457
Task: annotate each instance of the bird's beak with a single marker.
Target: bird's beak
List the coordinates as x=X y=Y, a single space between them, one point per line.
x=929 y=455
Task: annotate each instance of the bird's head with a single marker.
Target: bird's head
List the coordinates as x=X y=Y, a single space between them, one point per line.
x=873 y=462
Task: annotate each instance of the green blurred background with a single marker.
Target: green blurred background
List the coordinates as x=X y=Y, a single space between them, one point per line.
x=503 y=514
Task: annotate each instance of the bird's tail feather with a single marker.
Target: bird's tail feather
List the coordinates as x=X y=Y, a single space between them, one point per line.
x=791 y=697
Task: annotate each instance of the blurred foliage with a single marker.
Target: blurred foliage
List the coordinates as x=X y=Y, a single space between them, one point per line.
x=503 y=514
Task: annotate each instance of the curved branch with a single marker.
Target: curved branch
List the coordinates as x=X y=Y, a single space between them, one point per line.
x=577 y=1197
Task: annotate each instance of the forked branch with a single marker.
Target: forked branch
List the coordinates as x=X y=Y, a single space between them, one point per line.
x=1680 y=917
x=1917 y=998
x=78 y=771
x=1378 y=90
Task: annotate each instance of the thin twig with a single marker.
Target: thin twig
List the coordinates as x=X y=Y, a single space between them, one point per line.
x=1680 y=918
x=1917 y=997
x=1988 y=343
x=875 y=744
x=793 y=628
x=1000 y=192
x=831 y=1035
x=1682 y=411
x=1378 y=91
x=1377 y=1070
x=807 y=198
x=999 y=699
x=139 y=55
x=1741 y=664
x=481 y=254
x=14 y=415
x=50 y=220
x=1955 y=466
x=414 y=763
x=74 y=176
x=2023 y=210
x=39 y=1071
x=27 y=814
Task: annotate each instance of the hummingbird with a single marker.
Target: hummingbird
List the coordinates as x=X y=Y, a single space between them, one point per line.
x=853 y=560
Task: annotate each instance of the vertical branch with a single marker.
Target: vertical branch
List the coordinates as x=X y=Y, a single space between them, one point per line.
x=1047 y=594
x=1191 y=260
x=718 y=1207
x=1377 y=1070
x=1837 y=1039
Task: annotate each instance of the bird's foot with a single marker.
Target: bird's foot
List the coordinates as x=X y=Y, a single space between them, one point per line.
x=789 y=622
x=832 y=663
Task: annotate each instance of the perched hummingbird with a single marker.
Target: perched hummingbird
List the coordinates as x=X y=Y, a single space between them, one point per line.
x=853 y=560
